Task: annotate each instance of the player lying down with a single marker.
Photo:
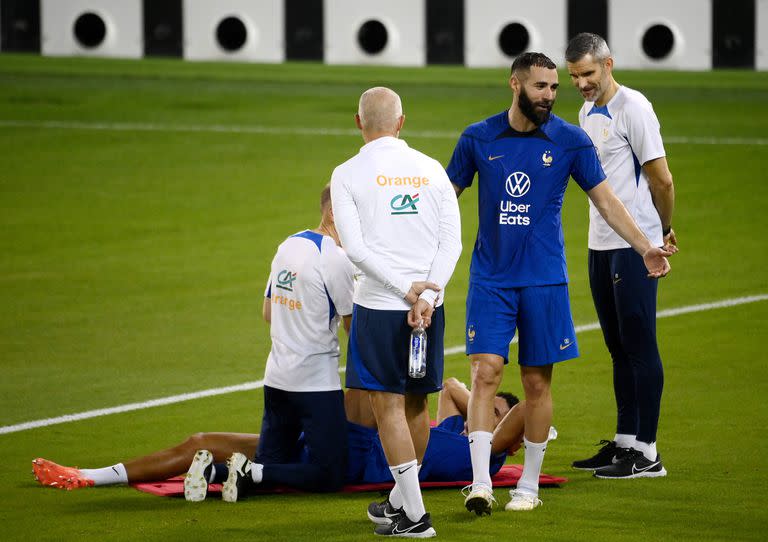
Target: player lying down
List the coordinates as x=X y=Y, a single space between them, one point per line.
x=446 y=458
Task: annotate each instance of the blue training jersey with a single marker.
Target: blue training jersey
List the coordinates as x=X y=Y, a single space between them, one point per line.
x=446 y=459
x=522 y=178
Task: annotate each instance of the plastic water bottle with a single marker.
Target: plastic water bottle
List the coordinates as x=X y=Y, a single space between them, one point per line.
x=417 y=358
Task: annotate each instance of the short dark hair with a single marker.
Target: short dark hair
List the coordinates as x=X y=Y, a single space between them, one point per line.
x=510 y=398
x=585 y=44
x=526 y=60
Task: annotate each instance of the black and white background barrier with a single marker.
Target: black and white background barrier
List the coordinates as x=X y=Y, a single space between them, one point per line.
x=661 y=34
x=498 y=30
x=375 y=32
x=108 y=28
x=239 y=30
x=760 y=38
x=654 y=34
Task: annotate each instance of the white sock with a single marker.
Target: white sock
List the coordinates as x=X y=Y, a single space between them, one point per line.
x=649 y=450
x=257 y=472
x=396 y=496
x=624 y=441
x=534 y=457
x=480 y=453
x=115 y=474
x=407 y=479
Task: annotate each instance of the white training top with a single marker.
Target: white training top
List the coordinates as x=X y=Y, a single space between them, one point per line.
x=398 y=219
x=627 y=134
x=310 y=285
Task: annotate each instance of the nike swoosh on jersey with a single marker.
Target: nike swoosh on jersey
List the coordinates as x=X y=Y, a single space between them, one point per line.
x=564 y=346
x=492 y=158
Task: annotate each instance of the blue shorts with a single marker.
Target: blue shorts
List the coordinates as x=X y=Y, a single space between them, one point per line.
x=447 y=457
x=367 y=463
x=542 y=314
x=377 y=353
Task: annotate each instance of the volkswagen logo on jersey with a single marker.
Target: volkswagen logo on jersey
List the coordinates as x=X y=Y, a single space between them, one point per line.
x=511 y=213
x=285 y=280
x=518 y=184
x=404 y=204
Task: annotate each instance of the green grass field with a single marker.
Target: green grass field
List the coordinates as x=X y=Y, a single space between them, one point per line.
x=140 y=205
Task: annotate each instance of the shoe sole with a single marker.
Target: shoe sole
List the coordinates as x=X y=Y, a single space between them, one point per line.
x=478 y=505
x=41 y=470
x=229 y=490
x=526 y=509
x=429 y=533
x=195 y=484
x=525 y=504
x=612 y=463
x=378 y=520
x=647 y=474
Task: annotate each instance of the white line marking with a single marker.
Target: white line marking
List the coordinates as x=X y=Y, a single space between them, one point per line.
x=290 y=130
x=212 y=128
x=660 y=314
x=131 y=406
x=716 y=140
x=260 y=383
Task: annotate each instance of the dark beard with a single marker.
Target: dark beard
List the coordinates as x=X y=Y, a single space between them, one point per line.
x=528 y=109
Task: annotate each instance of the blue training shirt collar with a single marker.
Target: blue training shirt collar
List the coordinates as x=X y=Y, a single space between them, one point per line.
x=603 y=110
x=600 y=110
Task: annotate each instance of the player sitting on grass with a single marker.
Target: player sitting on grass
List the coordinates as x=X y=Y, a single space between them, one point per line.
x=446 y=459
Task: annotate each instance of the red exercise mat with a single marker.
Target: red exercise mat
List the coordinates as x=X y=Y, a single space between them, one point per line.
x=506 y=477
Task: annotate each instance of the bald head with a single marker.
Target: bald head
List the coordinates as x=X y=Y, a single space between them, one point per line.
x=380 y=112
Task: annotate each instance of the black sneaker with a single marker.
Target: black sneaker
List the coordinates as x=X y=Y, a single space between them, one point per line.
x=403 y=527
x=633 y=464
x=382 y=513
x=239 y=479
x=606 y=457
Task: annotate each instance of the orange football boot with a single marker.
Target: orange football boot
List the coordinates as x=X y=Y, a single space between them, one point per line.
x=51 y=474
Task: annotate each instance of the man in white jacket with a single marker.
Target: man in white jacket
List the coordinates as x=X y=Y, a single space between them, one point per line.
x=398 y=220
